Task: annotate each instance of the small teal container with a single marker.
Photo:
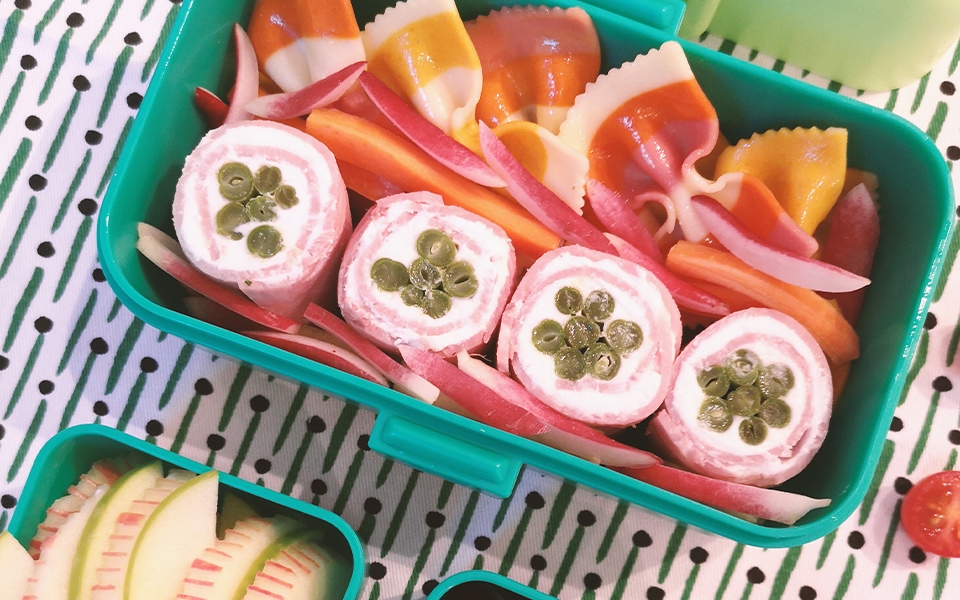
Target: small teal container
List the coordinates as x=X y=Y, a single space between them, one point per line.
x=916 y=219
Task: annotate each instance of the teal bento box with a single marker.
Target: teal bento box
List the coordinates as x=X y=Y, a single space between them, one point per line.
x=916 y=218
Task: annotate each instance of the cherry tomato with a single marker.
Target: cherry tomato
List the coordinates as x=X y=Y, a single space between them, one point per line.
x=930 y=514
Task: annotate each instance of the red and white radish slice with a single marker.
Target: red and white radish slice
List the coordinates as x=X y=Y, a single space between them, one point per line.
x=247 y=82
x=307 y=216
x=322 y=352
x=391 y=230
x=565 y=433
x=786 y=266
x=320 y=93
x=851 y=242
x=406 y=380
x=213 y=109
x=430 y=138
x=163 y=251
x=617 y=398
x=763 y=503
x=474 y=397
x=680 y=432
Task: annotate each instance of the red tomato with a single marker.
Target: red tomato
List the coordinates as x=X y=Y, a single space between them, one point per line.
x=930 y=514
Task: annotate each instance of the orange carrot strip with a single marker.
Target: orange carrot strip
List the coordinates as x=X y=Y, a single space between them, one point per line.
x=364 y=144
x=820 y=316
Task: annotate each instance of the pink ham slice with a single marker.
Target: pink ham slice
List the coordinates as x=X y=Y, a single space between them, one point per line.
x=776 y=338
x=390 y=230
x=640 y=385
x=314 y=231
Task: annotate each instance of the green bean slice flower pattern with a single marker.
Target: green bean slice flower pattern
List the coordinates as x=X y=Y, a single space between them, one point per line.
x=253 y=198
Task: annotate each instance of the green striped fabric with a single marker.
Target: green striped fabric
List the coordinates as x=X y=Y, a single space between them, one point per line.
x=75 y=72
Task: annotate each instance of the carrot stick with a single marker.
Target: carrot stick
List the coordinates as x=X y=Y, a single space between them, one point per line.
x=820 y=316
x=368 y=146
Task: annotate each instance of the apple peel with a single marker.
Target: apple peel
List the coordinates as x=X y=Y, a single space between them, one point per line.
x=247 y=83
x=213 y=109
x=318 y=94
x=851 y=242
x=786 y=266
x=321 y=352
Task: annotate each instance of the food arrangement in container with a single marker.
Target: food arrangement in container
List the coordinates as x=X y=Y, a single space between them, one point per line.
x=627 y=260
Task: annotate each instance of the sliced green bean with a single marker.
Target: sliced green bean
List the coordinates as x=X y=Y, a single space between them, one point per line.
x=581 y=332
x=715 y=381
x=744 y=401
x=569 y=364
x=236 y=181
x=775 y=412
x=568 y=300
x=411 y=295
x=548 y=337
x=714 y=414
x=436 y=247
x=436 y=303
x=598 y=305
x=286 y=196
x=753 y=431
x=425 y=275
x=267 y=179
x=389 y=275
x=260 y=208
x=603 y=362
x=623 y=336
x=459 y=280
x=265 y=241
x=775 y=380
x=744 y=367
x=231 y=216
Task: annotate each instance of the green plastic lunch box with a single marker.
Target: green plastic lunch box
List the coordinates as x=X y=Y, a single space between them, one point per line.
x=916 y=219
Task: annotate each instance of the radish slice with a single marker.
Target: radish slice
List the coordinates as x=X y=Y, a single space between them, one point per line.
x=164 y=251
x=477 y=399
x=321 y=352
x=772 y=505
x=316 y=95
x=565 y=434
x=405 y=379
x=213 y=109
x=611 y=209
x=542 y=203
x=247 y=83
x=788 y=267
x=685 y=294
x=430 y=138
x=851 y=243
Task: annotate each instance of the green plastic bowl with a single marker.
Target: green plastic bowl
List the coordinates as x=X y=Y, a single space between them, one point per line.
x=71 y=453
x=916 y=216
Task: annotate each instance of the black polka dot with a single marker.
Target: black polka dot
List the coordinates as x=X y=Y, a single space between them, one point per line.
x=134 y=100
x=7 y=501
x=535 y=501
x=22 y=4
x=429 y=585
x=377 y=570
x=37 y=182
x=363 y=442
x=948 y=88
x=642 y=539
x=902 y=485
x=942 y=384
x=917 y=555
x=698 y=555
x=81 y=83
x=655 y=593
x=807 y=593
x=28 y=62
x=99 y=346
x=592 y=581
x=896 y=424
x=203 y=387
x=538 y=562
x=930 y=321
x=262 y=466
x=43 y=325
x=481 y=543
x=87 y=207
x=953 y=152
x=216 y=442
x=585 y=518
x=46 y=386
x=154 y=427
x=74 y=20
x=93 y=137
x=33 y=123
x=46 y=250
x=316 y=425
x=98 y=275
x=100 y=408
x=3 y=431
x=372 y=506
x=318 y=487
x=259 y=403
x=855 y=540
x=755 y=575
x=4 y=363
x=435 y=520
x=148 y=365
x=132 y=39
x=954 y=437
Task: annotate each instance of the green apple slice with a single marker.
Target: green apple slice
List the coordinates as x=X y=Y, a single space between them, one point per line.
x=17 y=566
x=177 y=531
x=114 y=561
x=233 y=509
x=302 y=570
x=96 y=535
x=223 y=571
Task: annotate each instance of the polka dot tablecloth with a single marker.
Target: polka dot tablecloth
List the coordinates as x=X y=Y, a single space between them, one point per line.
x=74 y=72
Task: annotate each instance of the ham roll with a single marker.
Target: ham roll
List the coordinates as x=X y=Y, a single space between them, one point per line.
x=261 y=206
x=750 y=401
x=424 y=274
x=592 y=335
